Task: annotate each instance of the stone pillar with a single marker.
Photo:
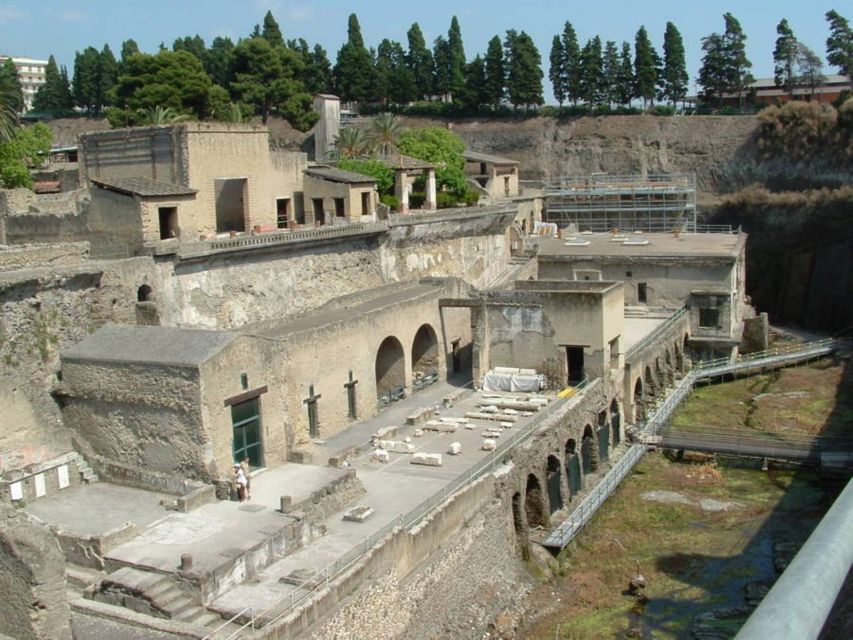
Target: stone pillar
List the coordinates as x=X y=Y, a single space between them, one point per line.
x=401 y=191
x=430 y=202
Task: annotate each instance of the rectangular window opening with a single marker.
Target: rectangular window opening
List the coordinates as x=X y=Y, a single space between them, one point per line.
x=365 y=203
x=168 y=217
x=709 y=318
x=340 y=210
x=282 y=212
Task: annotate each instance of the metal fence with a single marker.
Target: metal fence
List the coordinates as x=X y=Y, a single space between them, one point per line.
x=777 y=356
x=407 y=520
x=652 y=337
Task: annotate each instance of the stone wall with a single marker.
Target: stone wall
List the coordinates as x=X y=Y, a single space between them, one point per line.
x=34 y=605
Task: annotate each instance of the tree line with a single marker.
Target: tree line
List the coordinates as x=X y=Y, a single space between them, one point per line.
x=264 y=74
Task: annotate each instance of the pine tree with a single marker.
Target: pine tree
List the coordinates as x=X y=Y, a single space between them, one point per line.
x=674 y=78
x=809 y=69
x=194 y=44
x=10 y=83
x=107 y=76
x=318 y=71
x=419 y=61
x=839 y=44
x=524 y=63
x=557 y=70
x=625 y=89
x=495 y=73
x=645 y=66
x=611 y=92
x=473 y=92
x=441 y=58
x=737 y=65
x=572 y=62
x=785 y=57
x=355 y=76
x=592 y=72
x=395 y=82
x=713 y=77
x=128 y=48
x=53 y=96
x=271 y=31
x=456 y=51
x=86 y=84
x=217 y=60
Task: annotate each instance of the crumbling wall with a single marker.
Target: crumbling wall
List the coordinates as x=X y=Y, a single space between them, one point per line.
x=32 y=580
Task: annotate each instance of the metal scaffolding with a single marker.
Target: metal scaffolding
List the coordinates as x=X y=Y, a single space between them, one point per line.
x=601 y=202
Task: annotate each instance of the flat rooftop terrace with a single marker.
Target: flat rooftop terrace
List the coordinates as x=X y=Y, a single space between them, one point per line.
x=663 y=245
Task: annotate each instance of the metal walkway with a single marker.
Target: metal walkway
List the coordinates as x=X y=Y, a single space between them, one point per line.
x=661 y=414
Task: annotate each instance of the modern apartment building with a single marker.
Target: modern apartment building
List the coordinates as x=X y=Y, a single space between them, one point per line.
x=31 y=74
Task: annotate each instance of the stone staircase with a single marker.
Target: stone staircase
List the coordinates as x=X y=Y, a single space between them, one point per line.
x=87 y=474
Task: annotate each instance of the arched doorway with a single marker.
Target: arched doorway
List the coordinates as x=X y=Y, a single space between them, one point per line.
x=573 y=468
x=555 y=500
x=424 y=357
x=390 y=371
x=615 y=422
x=685 y=353
x=589 y=452
x=639 y=401
x=659 y=377
x=679 y=358
x=534 y=503
x=519 y=525
x=603 y=436
x=143 y=293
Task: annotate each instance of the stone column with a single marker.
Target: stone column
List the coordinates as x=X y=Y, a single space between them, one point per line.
x=401 y=191
x=430 y=202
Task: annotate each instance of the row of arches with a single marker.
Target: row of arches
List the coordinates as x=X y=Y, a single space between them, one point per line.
x=564 y=478
x=657 y=376
x=390 y=363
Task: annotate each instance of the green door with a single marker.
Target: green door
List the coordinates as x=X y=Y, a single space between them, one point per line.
x=246 y=421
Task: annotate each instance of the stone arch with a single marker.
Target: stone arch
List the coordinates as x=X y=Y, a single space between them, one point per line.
x=573 y=467
x=602 y=435
x=685 y=351
x=555 y=480
x=534 y=503
x=679 y=357
x=390 y=370
x=424 y=353
x=589 y=450
x=668 y=367
x=144 y=293
x=648 y=384
x=520 y=525
x=615 y=422
x=639 y=401
x=659 y=376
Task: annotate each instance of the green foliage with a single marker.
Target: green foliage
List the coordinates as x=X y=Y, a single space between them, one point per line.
x=712 y=74
x=351 y=143
x=571 y=63
x=645 y=67
x=473 y=92
x=839 y=44
x=626 y=86
x=389 y=201
x=54 y=96
x=376 y=169
x=456 y=70
x=674 y=78
x=592 y=87
x=442 y=148
x=785 y=57
x=384 y=131
x=128 y=48
x=737 y=64
x=524 y=70
x=611 y=72
x=271 y=31
x=26 y=148
x=419 y=61
x=394 y=80
x=799 y=129
x=495 y=73
x=217 y=61
x=10 y=96
x=355 y=75
x=168 y=79
x=265 y=76
x=557 y=70
x=10 y=85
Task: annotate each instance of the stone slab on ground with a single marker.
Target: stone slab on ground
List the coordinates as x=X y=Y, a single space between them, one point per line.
x=427 y=459
x=358 y=514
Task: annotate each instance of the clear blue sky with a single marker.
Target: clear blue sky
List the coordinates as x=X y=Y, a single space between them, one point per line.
x=38 y=29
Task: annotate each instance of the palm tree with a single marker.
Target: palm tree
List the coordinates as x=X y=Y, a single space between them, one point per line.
x=235 y=112
x=350 y=143
x=8 y=115
x=384 y=131
x=160 y=115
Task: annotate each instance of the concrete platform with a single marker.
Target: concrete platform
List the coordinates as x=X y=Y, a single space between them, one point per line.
x=635 y=329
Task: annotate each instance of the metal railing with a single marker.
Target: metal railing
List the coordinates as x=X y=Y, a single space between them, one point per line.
x=776 y=356
x=656 y=333
x=413 y=517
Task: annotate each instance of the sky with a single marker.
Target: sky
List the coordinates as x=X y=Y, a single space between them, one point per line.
x=38 y=29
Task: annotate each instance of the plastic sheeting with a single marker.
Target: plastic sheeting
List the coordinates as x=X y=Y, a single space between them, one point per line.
x=505 y=380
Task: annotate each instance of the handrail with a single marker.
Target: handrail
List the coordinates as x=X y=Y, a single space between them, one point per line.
x=655 y=333
x=781 y=354
x=415 y=515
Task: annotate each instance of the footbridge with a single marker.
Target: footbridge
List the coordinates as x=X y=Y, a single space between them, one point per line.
x=649 y=433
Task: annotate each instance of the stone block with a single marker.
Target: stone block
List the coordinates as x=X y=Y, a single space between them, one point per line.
x=489 y=445
x=418 y=433
x=441 y=427
x=380 y=455
x=358 y=514
x=385 y=433
x=427 y=459
x=506 y=425
x=396 y=446
x=455 y=448
x=420 y=416
x=300 y=457
x=491 y=433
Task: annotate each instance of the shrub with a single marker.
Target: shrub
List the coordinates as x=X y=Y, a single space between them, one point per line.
x=389 y=201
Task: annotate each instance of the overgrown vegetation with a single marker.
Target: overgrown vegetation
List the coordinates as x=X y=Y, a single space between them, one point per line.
x=26 y=148
x=803 y=129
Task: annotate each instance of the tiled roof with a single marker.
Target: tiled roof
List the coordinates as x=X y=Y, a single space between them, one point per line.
x=339 y=175
x=399 y=161
x=144 y=187
x=476 y=156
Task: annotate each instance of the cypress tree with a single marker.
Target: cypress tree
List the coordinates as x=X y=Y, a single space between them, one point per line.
x=785 y=57
x=217 y=61
x=645 y=67
x=625 y=88
x=456 y=54
x=419 y=61
x=572 y=62
x=495 y=72
x=839 y=44
x=11 y=85
x=85 y=83
x=354 y=71
x=592 y=72
x=712 y=74
x=441 y=58
x=611 y=92
x=473 y=92
x=128 y=48
x=557 y=70
x=54 y=95
x=107 y=76
x=271 y=31
x=524 y=78
x=737 y=65
x=674 y=77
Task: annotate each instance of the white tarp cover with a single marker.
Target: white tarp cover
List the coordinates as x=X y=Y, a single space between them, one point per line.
x=513 y=380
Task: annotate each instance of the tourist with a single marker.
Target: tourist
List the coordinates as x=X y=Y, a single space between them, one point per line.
x=247 y=471
x=240 y=482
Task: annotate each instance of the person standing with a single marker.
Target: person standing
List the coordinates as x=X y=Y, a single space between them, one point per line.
x=247 y=471
x=240 y=482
